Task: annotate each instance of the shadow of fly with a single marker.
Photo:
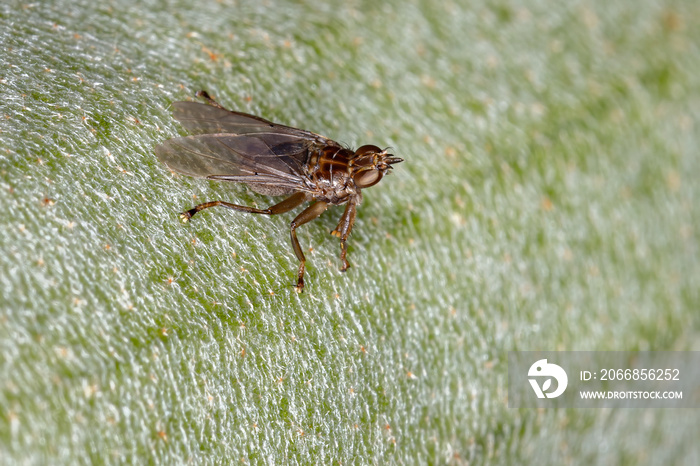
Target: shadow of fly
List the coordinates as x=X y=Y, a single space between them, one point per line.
x=274 y=160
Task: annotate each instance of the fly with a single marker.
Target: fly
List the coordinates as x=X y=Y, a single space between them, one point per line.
x=274 y=160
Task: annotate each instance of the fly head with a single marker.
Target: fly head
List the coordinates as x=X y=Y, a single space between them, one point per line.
x=370 y=164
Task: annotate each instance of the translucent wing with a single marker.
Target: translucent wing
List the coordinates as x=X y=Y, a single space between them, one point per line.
x=234 y=146
x=254 y=158
x=201 y=118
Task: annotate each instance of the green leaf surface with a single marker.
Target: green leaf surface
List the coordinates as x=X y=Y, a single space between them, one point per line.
x=548 y=201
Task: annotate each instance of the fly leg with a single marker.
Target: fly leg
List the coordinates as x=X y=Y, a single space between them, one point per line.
x=310 y=213
x=205 y=95
x=280 y=208
x=342 y=231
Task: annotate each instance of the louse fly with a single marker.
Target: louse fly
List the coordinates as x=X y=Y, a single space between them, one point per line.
x=274 y=160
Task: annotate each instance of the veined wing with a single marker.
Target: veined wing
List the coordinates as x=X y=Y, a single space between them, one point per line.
x=201 y=118
x=254 y=158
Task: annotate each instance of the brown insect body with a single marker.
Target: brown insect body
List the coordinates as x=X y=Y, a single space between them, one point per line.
x=274 y=160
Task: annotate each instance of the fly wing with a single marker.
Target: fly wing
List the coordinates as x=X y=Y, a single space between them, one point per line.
x=253 y=158
x=201 y=118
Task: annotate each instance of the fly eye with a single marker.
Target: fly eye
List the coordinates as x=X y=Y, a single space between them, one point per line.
x=368 y=149
x=367 y=178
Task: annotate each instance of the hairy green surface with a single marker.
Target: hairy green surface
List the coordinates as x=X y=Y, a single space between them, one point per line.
x=548 y=201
